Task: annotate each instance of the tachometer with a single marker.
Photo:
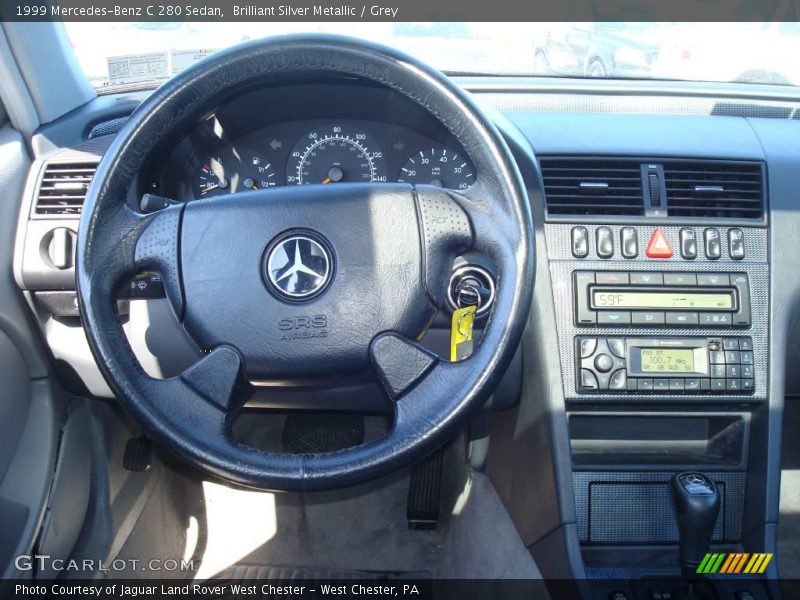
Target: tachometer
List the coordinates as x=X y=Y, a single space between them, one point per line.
x=438 y=166
x=335 y=153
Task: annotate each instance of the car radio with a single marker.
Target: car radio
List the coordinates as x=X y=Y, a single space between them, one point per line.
x=683 y=365
x=681 y=299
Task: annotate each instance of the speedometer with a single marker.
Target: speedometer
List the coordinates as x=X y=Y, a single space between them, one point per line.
x=335 y=153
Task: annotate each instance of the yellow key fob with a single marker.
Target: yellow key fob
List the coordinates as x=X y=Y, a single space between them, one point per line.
x=461 y=333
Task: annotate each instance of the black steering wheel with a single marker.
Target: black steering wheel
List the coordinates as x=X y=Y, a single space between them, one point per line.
x=305 y=281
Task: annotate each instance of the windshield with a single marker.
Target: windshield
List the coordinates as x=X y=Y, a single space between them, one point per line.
x=118 y=55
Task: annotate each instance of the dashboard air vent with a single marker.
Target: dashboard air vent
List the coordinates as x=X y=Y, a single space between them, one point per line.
x=722 y=190
x=588 y=186
x=63 y=188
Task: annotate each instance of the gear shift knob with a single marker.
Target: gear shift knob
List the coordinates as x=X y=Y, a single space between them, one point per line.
x=695 y=499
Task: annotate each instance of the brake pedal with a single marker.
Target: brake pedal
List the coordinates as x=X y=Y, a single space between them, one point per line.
x=422 y=508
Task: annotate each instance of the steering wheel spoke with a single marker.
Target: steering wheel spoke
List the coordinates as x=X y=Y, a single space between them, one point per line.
x=399 y=362
x=218 y=378
x=157 y=248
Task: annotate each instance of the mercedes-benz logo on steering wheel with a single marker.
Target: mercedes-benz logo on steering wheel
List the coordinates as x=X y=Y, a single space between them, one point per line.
x=298 y=265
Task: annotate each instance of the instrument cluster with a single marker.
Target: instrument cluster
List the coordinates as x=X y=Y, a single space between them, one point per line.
x=304 y=152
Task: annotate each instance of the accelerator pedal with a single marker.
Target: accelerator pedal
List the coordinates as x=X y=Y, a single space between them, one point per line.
x=422 y=508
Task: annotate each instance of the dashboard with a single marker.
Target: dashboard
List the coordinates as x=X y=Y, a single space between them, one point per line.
x=664 y=311
x=304 y=136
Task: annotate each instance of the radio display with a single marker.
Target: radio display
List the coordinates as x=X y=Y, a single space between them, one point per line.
x=662 y=300
x=667 y=360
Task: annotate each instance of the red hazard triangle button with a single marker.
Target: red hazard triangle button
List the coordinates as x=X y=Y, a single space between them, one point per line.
x=658 y=247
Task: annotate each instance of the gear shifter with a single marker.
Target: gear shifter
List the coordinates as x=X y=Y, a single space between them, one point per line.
x=695 y=499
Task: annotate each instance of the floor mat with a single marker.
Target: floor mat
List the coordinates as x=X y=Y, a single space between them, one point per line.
x=300 y=574
x=316 y=433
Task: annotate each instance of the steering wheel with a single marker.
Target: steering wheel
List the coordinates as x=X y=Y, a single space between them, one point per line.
x=304 y=281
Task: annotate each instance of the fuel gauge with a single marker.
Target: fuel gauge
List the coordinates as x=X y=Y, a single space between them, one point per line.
x=256 y=172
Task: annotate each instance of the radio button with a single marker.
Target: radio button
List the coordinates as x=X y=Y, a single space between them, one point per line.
x=611 y=277
x=682 y=319
x=647 y=318
x=617 y=346
x=715 y=319
x=676 y=385
x=588 y=346
x=580 y=242
x=647 y=279
x=734 y=385
x=718 y=371
x=615 y=317
x=661 y=385
x=716 y=357
x=748 y=385
x=618 y=381
x=605 y=242
x=629 y=242
x=732 y=357
x=603 y=363
x=645 y=385
x=680 y=279
x=588 y=381
x=713 y=279
x=717 y=385
x=691 y=384
x=688 y=243
x=746 y=357
x=730 y=343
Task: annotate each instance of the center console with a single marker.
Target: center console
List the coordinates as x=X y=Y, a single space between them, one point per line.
x=663 y=338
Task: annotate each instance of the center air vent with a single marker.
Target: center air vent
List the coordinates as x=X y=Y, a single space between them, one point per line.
x=63 y=187
x=723 y=190
x=575 y=186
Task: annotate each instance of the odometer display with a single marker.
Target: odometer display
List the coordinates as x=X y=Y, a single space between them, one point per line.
x=333 y=154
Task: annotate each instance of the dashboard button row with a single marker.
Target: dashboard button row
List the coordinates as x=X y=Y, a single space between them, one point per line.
x=629 y=243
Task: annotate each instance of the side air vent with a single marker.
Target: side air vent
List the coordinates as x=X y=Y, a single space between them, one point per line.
x=62 y=189
x=597 y=187
x=722 y=190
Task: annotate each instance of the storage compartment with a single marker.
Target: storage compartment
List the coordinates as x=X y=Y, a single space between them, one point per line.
x=603 y=439
x=634 y=507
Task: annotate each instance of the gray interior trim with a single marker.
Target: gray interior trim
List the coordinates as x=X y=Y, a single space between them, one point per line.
x=48 y=67
x=27 y=481
x=14 y=92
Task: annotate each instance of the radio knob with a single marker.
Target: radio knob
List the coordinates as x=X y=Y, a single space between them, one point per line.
x=603 y=363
